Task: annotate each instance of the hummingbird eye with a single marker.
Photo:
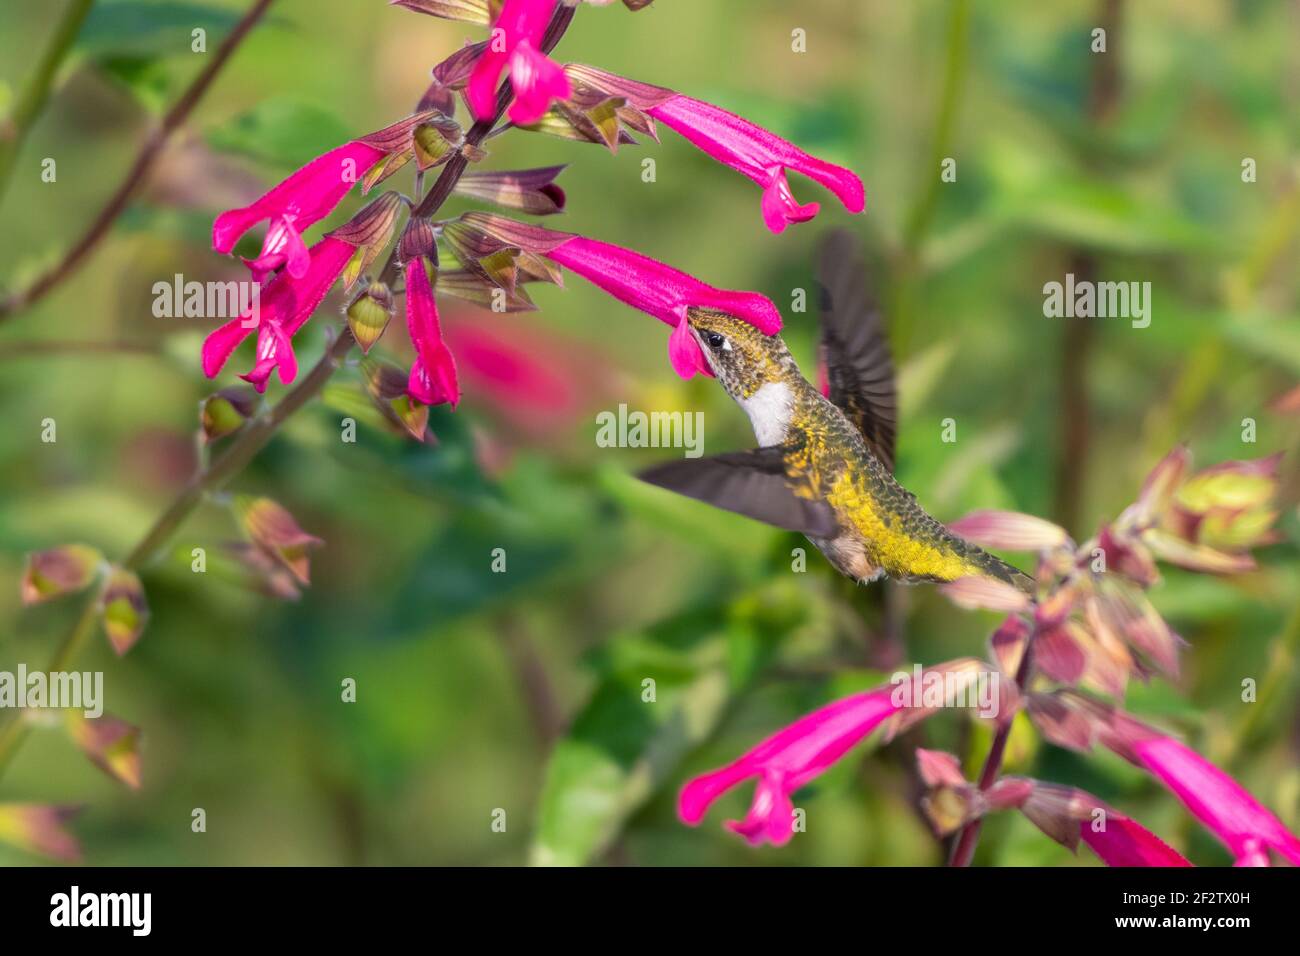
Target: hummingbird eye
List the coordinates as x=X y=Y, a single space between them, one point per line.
x=715 y=339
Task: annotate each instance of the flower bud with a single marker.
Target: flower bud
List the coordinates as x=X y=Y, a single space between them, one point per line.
x=123 y=609
x=369 y=314
x=111 y=744
x=274 y=530
x=58 y=571
x=223 y=413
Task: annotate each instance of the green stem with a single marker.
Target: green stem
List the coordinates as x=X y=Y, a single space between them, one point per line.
x=13 y=130
x=923 y=212
x=1281 y=670
x=908 y=264
x=15 y=730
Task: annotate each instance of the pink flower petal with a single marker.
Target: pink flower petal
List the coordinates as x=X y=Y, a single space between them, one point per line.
x=658 y=289
x=1125 y=842
x=520 y=21
x=1225 y=807
x=537 y=80
x=1009 y=530
x=219 y=345
x=795 y=755
x=771 y=817
x=305 y=198
x=685 y=354
x=433 y=376
x=284 y=305
x=780 y=208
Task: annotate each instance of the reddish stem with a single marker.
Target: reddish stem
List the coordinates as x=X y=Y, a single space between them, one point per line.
x=140 y=169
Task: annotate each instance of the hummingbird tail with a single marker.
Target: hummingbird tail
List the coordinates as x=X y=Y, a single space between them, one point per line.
x=995 y=567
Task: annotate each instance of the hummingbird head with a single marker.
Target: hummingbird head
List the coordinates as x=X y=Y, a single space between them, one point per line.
x=742 y=357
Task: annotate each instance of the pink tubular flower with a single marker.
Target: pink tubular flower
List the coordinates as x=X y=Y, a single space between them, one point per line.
x=762 y=156
x=286 y=302
x=433 y=374
x=639 y=281
x=1125 y=842
x=1227 y=809
x=792 y=757
x=785 y=762
x=308 y=196
x=732 y=140
x=536 y=79
x=305 y=198
x=663 y=292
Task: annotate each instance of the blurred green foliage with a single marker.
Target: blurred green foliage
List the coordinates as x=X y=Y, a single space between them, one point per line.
x=609 y=582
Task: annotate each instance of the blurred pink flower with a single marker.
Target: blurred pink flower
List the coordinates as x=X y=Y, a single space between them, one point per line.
x=1125 y=842
x=1226 y=808
x=1009 y=531
x=536 y=79
x=535 y=379
x=286 y=303
x=433 y=374
x=40 y=828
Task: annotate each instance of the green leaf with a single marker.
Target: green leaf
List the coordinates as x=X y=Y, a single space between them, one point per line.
x=281 y=131
x=623 y=747
x=147 y=79
x=141 y=28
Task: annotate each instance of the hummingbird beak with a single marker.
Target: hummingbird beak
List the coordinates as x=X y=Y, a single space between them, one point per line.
x=699 y=341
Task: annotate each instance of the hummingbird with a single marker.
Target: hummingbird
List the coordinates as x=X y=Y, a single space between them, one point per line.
x=824 y=465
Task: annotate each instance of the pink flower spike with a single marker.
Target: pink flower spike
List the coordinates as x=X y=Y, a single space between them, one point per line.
x=305 y=198
x=1226 y=808
x=520 y=22
x=537 y=81
x=663 y=292
x=761 y=155
x=433 y=375
x=1125 y=842
x=284 y=305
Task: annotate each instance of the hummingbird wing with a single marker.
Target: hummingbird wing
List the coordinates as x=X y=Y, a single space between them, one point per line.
x=854 y=350
x=751 y=483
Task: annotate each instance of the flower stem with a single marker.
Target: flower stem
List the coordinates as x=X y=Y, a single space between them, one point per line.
x=139 y=170
x=1282 y=655
x=37 y=90
x=908 y=264
x=15 y=730
x=254 y=436
x=963 y=847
